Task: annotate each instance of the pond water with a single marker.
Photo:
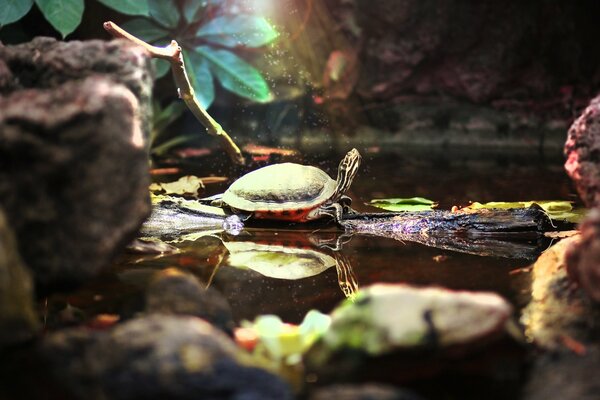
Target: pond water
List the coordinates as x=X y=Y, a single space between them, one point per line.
x=247 y=268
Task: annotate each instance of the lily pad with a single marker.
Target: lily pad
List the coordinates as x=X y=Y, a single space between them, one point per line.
x=404 y=204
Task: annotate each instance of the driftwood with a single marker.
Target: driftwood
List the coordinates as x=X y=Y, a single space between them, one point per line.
x=514 y=233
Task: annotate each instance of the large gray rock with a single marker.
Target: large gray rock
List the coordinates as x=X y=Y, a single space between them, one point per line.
x=18 y=320
x=582 y=151
x=73 y=175
x=48 y=63
x=158 y=357
x=177 y=292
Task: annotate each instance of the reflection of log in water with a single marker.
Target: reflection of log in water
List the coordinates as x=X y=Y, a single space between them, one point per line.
x=513 y=233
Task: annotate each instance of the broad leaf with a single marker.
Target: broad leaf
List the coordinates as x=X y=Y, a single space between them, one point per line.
x=236 y=74
x=145 y=29
x=129 y=7
x=164 y=12
x=201 y=78
x=161 y=67
x=63 y=15
x=191 y=9
x=13 y=10
x=238 y=30
x=408 y=204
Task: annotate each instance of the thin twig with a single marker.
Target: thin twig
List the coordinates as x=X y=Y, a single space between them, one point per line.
x=172 y=53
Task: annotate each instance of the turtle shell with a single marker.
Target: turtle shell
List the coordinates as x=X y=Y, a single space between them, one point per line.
x=280 y=187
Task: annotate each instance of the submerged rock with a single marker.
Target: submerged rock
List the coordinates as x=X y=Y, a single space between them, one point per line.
x=362 y=392
x=158 y=357
x=177 y=292
x=18 y=320
x=582 y=150
x=73 y=176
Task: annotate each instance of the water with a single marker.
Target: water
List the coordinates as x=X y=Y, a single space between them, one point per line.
x=452 y=178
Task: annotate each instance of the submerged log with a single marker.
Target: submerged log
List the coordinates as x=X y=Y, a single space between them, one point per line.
x=513 y=233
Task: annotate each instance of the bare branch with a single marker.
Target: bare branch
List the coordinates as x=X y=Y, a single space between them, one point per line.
x=172 y=53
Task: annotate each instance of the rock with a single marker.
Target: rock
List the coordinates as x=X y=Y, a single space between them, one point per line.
x=362 y=392
x=557 y=309
x=180 y=293
x=564 y=375
x=73 y=175
x=18 y=319
x=158 y=357
x=385 y=317
x=582 y=151
x=48 y=63
x=583 y=256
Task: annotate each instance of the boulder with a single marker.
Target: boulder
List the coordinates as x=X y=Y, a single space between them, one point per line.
x=582 y=151
x=158 y=357
x=48 y=63
x=73 y=175
x=180 y=293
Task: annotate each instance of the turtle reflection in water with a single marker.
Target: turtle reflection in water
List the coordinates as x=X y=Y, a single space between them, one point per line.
x=292 y=192
x=291 y=256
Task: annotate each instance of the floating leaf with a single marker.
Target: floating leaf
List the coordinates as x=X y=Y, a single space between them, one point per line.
x=13 y=10
x=556 y=209
x=408 y=204
x=129 y=7
x=201 y=78
x=63 y=15
x=164 y=12
x=236 y=74
x=188 y=185
x=145 y=29
x=238 y=30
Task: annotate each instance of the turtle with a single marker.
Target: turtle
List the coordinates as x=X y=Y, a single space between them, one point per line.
x=292 y=192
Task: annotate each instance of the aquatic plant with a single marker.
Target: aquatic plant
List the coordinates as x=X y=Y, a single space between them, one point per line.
x=209 y=32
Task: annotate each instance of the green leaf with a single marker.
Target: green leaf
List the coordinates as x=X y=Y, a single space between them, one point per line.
x=161 y=67
x=191 y=9
x=236 y=75
x=556 y=209
x=238 y=30
x=201 y=78
x=164 y=12
x=145 y=29
x=129 y=7
x=13 y=10
x=165 y=117
x=63 y=15
x=408 y=204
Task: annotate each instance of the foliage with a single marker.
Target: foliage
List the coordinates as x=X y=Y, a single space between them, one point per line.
x=408 y=204
x=208 y=33
x=556 y=209
x=280 y=341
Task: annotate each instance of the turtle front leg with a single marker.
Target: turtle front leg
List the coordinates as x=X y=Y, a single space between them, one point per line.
x=334 y=211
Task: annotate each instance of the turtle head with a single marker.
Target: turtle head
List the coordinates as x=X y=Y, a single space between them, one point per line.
x=346 y=173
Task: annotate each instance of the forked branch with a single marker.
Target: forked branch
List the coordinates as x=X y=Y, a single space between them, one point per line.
x=172 y=53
